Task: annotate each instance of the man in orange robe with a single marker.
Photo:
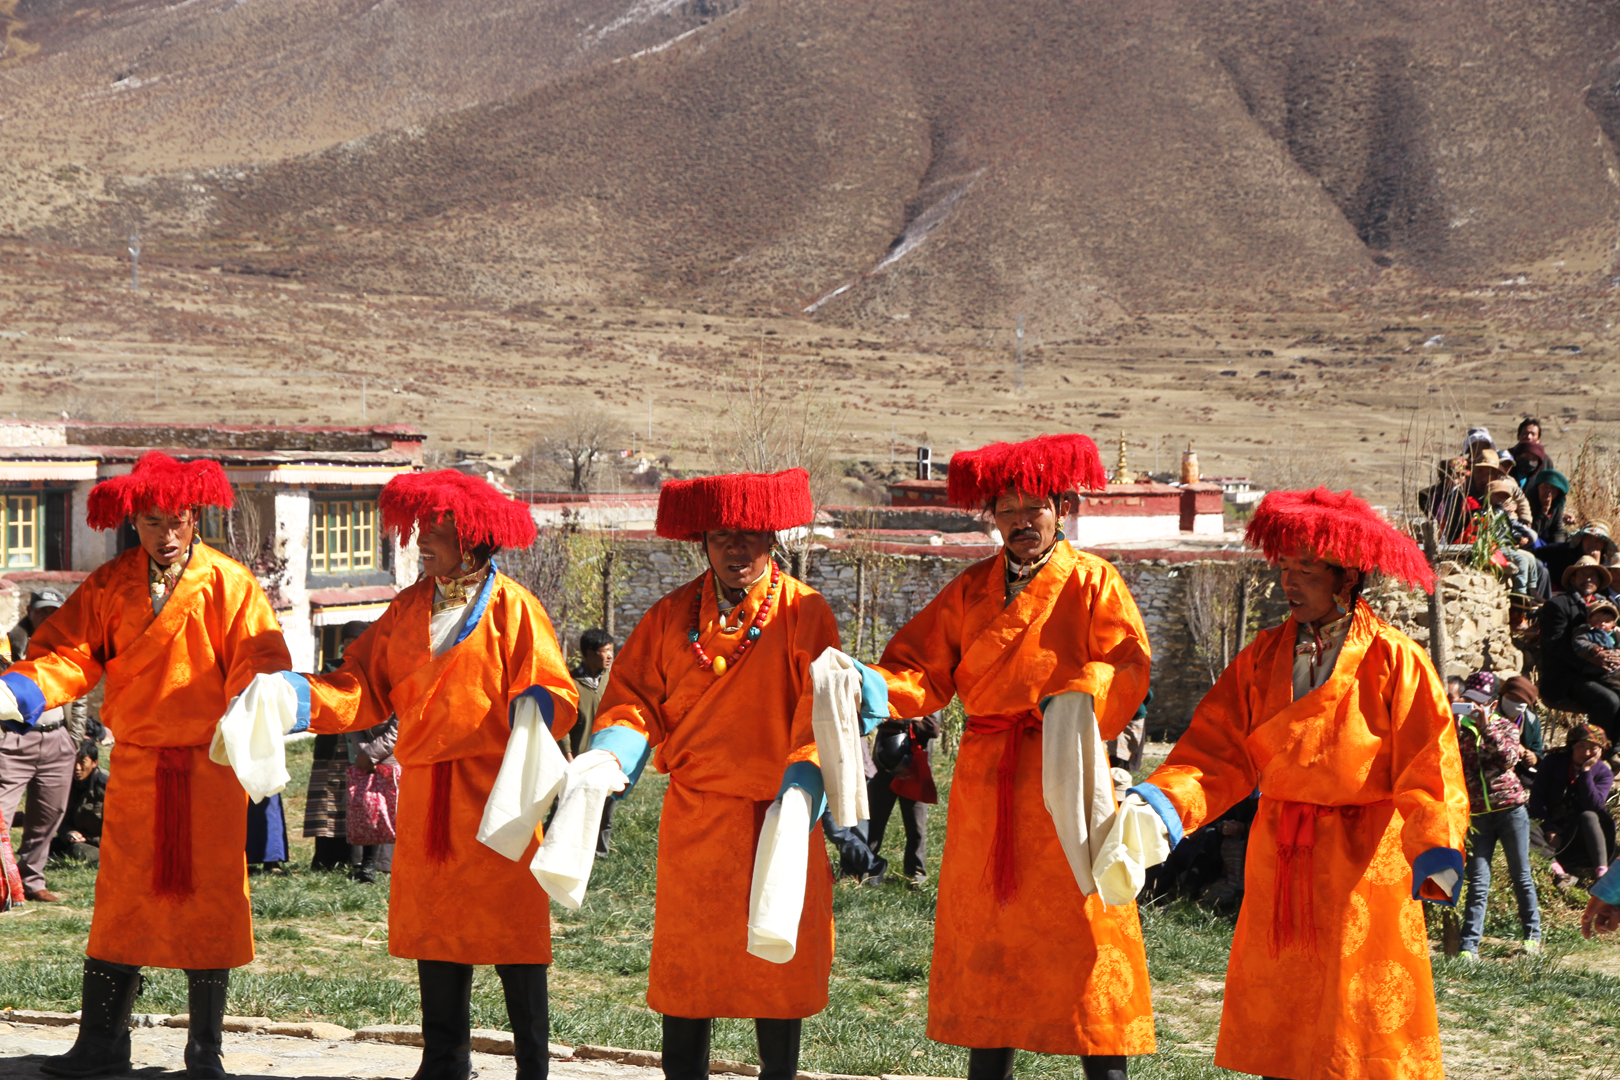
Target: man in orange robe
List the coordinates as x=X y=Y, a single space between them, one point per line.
x=452 y=657
x=714 y=683
x=1022 y=959
x=1342 y=723
x=178 y=630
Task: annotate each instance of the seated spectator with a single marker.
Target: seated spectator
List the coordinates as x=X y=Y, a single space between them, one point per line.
x=1531 y=446
x=1595 y=646
x=1547 y=493
x=80 y=834
x=1526 y=568
x=1565 y=679
x=1590 y=541
x=1446 y=501
x=1497 y=811
x=1476 y=438
x=1570 y=800
x=1485 y=468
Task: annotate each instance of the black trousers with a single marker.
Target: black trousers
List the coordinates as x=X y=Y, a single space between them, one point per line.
x=913 y=815
x=1583 y=841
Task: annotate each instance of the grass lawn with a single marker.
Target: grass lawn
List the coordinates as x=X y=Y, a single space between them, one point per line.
x=322 y=945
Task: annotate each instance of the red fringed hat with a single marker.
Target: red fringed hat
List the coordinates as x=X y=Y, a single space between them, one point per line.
x=1045 y=465
x=1338 y=528
x=753 y=502
x=483 y=515
x=160 y=481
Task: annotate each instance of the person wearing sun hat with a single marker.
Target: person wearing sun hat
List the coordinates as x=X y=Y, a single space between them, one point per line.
x=467 y=659
x=713 y=686
x=1342 y=723
x=178 y=631
x=1565 y=676
x=1025 y=957
x=1485 y=468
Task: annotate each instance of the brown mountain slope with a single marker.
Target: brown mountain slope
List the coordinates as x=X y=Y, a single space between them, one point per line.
x=153 y=85
x=958 y=162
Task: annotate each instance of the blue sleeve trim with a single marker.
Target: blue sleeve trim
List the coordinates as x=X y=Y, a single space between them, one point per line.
x=874 y=698
x=1434 y=861
x=301 y=686
x=482 y=602
x=629 y=746
x=30 y=699
x=542 y=697
x=807 y=775
x=1607 y=888
x=1163 y=807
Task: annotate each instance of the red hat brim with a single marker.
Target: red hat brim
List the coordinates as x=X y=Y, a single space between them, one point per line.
x=413 y=501
x=1043 y=466
x=750 y=502
x=161 y=482
x=1339 y=528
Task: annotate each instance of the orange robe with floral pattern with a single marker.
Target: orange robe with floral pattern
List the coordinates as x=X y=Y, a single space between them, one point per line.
x=1054 y=971
x=725 y=741
x=473 y=906
x=170 y=678
x=1374 y=749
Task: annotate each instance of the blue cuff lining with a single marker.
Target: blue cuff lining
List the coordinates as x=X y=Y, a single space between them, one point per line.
x=1163 y=807
x=1434 y=861
x=30 y=699
x=629 y=746
x=874 y=698
x=807 y=775
x=301 y=686
x=1607 y=888
x=542 y=697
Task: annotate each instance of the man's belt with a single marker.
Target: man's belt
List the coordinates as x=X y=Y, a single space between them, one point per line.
x=1296 y=848
x=40 y=729
x=1014 y=726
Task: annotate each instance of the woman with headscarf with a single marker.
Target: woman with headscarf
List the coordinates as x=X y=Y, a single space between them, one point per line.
x=1547 y=492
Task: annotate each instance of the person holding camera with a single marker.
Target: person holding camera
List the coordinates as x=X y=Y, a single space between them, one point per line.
x=1497 y=810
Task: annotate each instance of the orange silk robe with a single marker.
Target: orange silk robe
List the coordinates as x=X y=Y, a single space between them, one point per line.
x=170 y=678
x=475 y=906
x=1378 y=731
x=1053 y=971
x=725 y=742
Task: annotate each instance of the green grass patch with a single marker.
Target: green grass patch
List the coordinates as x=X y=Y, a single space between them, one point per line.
x=322 y=945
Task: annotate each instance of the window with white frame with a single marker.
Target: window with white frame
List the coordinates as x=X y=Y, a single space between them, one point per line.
x=24 y=526
x=343 y=535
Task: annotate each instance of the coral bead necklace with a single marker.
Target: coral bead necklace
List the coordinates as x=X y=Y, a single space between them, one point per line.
x=721 y=664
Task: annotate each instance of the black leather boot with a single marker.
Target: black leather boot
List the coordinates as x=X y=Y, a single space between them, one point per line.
x=529 y=1009
x=205 y=1029
x=103 y=1042
x=686 y=1048
x=992 y=1064
x=1103 y=1066
x=446 y=1024
x=778 y=1048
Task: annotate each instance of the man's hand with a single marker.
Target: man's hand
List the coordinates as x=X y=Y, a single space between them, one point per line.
x=1529 y=757
x=1599 y=918
x=76 y=836
x=365 y=763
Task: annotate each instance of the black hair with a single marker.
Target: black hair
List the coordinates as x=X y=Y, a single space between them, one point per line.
x=1455 y=680
x=353 y=629
x=1526 y=422
x=594 y=639
x=89 y=749
x=483 y=552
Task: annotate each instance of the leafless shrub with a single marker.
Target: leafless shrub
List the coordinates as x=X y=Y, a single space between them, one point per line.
x=577 y=448
x=1594 y=484
x=1219 y=610
x=251 y=544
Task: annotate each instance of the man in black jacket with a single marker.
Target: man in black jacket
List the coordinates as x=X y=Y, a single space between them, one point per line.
x=80 y=834
x=1563 y=679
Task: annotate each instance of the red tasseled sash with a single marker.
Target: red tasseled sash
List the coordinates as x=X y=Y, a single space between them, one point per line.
x=438 y=823
x=1296 y=847
x=1004 y=874
x=171 y=848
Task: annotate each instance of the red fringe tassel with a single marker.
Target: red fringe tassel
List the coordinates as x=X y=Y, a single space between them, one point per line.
x=171 y=849
x=1004 y=874
x=1296 y=848
x=438 y=824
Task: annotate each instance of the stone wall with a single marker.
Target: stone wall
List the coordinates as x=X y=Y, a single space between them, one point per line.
x=1476 y=606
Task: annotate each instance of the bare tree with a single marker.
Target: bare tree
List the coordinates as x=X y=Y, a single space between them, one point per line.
x=580 y=443
x=1594 y=483
x=251 y=544
x=773 y=423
